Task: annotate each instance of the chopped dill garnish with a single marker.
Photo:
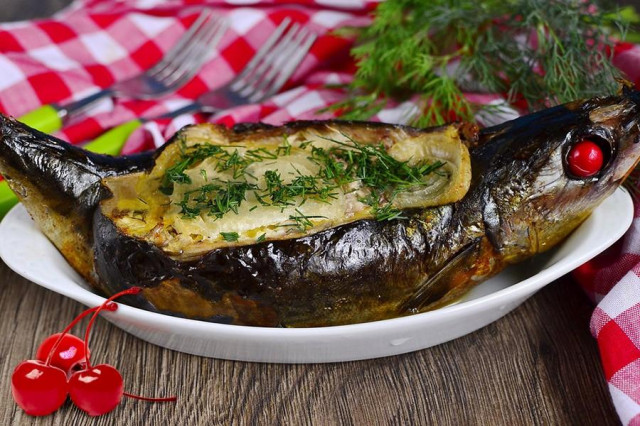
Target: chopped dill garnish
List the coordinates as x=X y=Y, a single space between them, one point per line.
x=282 y=194
x=261 y=238
x=285 y=148
x=230 y=236
x=382 y=212
x=260 y=154
x=301 y=221
x=375 y=172
x=215 y=199
x=370 y=164
x=175 y=174
x=305 y=144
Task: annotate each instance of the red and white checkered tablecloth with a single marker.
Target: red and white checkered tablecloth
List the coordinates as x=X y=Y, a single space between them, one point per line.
x=94 y=43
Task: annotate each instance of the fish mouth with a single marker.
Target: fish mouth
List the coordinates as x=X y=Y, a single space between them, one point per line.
x=628 y=156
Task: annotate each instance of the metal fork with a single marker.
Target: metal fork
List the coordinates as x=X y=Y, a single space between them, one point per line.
x=260 y=79
x=263 y=76
x=177 y=67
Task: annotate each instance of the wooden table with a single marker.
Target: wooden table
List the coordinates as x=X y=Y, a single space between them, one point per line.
x=537 y=365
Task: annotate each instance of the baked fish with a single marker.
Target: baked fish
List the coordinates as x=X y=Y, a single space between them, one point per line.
x=320 y=223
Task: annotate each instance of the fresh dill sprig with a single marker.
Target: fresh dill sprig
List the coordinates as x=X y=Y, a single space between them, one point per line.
x=541 y=52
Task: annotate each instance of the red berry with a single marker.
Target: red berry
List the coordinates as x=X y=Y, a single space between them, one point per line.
x=585 y=159
x=68 y=354
x=38 y=389
x=96 y=390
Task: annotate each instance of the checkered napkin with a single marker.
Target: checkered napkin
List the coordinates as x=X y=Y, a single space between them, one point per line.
x=94 y=43
x=97 y=42
x=612 y=280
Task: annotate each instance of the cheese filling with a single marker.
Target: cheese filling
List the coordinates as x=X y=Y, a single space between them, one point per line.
x=206 y=192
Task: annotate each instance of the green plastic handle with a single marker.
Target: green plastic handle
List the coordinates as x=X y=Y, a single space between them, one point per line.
x=112 y=141
x=45 y=119
x=7 y=198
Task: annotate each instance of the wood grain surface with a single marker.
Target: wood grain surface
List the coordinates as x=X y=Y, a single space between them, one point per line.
x=538 y=365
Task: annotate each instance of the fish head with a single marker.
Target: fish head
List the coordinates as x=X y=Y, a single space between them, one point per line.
x=528 y=195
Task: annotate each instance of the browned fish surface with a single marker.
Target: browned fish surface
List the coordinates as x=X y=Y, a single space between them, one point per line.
x=332 y=270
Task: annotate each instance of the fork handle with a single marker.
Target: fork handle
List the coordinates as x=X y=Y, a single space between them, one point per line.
x=84 y=103
x=7 y=198
x=112 y=141
x=191 y=107
x=47 y=119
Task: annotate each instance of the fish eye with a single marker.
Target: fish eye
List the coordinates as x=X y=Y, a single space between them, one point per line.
x=587 y=156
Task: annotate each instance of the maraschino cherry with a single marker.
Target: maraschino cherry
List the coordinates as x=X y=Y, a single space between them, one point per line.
x=585 y=159
x=41 y=386
x=39 y=389
x=98 y=389
x=69 y=354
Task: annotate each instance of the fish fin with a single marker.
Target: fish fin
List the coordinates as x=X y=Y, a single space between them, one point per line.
x=437 y=285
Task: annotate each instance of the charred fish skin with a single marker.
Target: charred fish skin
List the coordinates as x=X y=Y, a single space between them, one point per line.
x=522 y=201
x=352 y=273
x=59 y=184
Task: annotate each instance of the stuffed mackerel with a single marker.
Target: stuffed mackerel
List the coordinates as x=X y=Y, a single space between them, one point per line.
x=325 y=222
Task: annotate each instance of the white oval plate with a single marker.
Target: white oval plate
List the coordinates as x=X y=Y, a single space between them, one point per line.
x=29 y=253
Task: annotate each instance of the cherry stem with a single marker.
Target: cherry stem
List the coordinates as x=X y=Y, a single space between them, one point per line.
x=105 y=305
x=145 y=398
x=111 y=307
x=132 y=290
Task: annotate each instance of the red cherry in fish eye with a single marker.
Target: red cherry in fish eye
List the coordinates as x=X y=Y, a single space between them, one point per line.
x=585 y=159
x=38 y=389
x=69 y=352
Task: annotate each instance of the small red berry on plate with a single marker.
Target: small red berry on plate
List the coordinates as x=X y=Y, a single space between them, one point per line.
x=68 y=354
x=96 y=390
x=40 y=386
x=585 y=159
x=38 y=389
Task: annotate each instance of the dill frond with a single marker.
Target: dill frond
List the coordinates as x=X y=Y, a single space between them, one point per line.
x=536 y=53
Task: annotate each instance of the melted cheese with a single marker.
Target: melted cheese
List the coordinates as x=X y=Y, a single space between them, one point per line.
x=142 y=210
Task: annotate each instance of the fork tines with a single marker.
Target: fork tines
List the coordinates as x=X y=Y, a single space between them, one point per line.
x=275 y=61
x=192 y=51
